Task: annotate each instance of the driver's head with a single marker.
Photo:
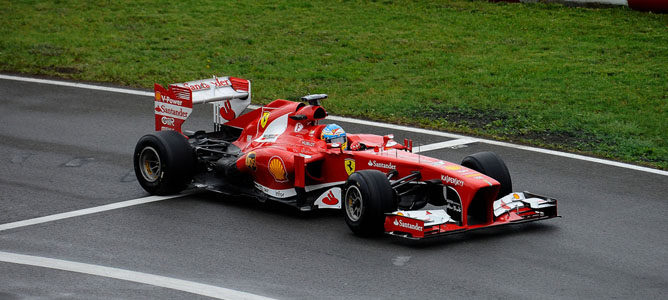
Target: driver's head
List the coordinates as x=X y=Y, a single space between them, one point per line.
x=334 y=134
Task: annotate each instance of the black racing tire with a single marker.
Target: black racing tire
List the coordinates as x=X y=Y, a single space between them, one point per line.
x=164 y=162
x=490 y=164
x=368 y=196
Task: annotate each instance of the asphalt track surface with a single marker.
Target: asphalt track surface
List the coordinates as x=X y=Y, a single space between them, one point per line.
x=64 y=149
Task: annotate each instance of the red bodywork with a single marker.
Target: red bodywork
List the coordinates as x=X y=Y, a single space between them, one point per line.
x=280 y=157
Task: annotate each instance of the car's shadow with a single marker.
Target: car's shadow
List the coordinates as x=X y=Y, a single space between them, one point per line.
x=268 y=207
x=480 y=235
x=284 y=210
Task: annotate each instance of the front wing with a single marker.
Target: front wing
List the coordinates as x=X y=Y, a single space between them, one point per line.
x=514 y=208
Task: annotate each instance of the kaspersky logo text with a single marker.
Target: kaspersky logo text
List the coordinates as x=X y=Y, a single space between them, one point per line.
x=451 y=180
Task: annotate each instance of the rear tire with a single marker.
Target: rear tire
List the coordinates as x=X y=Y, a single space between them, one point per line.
x=490 y=164
x=368 y=196
x=164 y=162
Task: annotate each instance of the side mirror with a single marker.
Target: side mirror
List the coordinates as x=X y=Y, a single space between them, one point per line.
x=386 y=141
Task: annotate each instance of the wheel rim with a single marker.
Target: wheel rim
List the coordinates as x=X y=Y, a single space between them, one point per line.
x=354 y=203
x=149 y=164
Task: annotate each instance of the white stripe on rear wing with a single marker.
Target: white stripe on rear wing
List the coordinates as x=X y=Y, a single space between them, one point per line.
x=215 y=89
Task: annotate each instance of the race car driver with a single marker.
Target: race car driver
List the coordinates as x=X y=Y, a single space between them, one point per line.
x=334 y=134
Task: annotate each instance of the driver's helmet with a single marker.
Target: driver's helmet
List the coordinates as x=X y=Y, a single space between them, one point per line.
x=334 y=134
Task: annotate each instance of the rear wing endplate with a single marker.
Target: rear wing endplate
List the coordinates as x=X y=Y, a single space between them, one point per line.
x=229 y=95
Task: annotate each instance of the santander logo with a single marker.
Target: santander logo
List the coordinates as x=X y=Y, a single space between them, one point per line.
x=373 y=163
x=330 y=199
x=400 y=223
x=226 y=111
x=180 y=113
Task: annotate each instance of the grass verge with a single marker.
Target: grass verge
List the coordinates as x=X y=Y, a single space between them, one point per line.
x=585 y=80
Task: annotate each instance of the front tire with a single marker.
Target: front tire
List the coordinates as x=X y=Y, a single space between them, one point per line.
x=368 y=196
x=490 y=164
x=164 y=162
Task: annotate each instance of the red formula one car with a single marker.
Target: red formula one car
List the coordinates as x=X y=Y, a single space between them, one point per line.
x=281 y=152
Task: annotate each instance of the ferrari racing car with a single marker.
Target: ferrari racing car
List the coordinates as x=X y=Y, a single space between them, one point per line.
x=283 y=152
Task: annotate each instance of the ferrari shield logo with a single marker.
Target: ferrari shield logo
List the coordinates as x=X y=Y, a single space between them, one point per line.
x=264 y=119
x=349 y=164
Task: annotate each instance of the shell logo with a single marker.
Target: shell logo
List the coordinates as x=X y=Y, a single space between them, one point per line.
x=157 y=96
x=277 y=169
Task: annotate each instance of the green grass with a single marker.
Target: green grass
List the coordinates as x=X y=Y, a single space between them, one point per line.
x=593 y=81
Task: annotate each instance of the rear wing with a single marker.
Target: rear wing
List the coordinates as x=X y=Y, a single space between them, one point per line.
x=229 y=95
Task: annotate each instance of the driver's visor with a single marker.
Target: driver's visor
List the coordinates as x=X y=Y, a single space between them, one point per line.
x=338 y=140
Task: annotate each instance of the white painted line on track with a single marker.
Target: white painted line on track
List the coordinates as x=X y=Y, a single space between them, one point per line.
x=127 y=275
x=372 y=123
x=578 y=157
x=398 y=127
x=441 y=145
x=78 y=85
x=86 y=211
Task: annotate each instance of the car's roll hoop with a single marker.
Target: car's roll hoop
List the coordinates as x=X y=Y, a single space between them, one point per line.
x=314 y=99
